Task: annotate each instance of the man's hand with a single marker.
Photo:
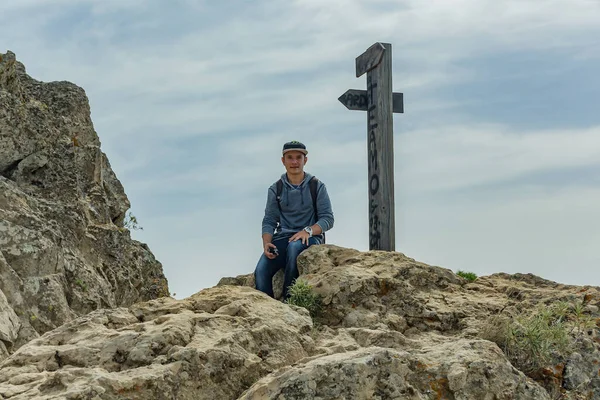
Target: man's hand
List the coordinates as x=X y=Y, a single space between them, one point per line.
x=302 y=235
x=266 y=248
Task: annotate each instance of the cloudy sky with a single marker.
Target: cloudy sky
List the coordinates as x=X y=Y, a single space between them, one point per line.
x=497 y=156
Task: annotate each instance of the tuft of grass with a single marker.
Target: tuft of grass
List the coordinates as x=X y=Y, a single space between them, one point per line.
x=81 y=284
x=470 y=276
x=303 y=295
x=537 y=340
x=542 y=338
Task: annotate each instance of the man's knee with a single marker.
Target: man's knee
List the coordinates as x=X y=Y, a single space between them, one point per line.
x=261 y=268
x=295 y=247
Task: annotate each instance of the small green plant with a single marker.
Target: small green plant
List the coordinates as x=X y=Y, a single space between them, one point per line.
x=302 y=295
x=580 y=321
x=81 y=284
x=544 y=337
x=537 y=340
x=131 y=222
x=470 y=276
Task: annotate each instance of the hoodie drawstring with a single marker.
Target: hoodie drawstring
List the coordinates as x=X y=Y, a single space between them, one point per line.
x=289 y=187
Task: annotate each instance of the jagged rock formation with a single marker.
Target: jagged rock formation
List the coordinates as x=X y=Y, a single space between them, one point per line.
x=75 y=323
x=64 y=250
x=391 y=328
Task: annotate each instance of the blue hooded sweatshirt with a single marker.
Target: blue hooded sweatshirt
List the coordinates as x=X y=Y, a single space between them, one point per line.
x=296 y=209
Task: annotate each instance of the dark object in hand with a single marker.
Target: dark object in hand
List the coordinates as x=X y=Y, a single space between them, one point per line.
x=273 y=250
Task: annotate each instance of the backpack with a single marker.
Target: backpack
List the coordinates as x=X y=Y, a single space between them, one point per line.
x=312 y=184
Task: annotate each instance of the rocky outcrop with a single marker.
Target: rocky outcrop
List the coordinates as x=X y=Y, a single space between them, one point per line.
x=85 y=312
x=466 y=369
x=391 y=328
x=218 y=343
x=391 y=292
x=64 y=250
x=210 y=346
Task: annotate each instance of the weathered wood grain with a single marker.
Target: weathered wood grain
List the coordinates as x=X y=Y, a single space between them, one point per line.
x=398 y=103
x=356 y=100
x=369 y=59
x=381 y=154
x=380 y=103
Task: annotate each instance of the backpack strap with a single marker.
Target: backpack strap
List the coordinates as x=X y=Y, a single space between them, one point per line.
x=278 y=193
x=313 y=191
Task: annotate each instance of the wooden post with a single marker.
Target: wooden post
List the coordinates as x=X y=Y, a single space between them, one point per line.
x=380 y=105
x=381 y=154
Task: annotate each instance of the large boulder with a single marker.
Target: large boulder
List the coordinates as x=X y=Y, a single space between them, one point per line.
x=212 y=345
x=64 y=249
x=234 y=342
x=369 y=298
x=462 y=370
x=390 y=328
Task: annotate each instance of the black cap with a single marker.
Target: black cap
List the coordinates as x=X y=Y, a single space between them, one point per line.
x=294 y=146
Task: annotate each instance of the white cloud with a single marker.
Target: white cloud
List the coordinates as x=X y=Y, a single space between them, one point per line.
x=454 y=157
x=514 y=228
x=521 y=231
x=202 y=105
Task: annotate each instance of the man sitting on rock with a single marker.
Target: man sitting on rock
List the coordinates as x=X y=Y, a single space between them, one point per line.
x=297 y=214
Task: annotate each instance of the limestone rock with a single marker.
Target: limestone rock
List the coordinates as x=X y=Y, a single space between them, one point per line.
x=462 y=371
x=234 y=342
x=9 y=325
x=64 y=250
x=83 y=312
x=369 y=295
x=212 y=345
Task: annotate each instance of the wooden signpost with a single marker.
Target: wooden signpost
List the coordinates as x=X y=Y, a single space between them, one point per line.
x=380 y=103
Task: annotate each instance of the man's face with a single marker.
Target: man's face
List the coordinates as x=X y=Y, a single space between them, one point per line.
x=294 y=162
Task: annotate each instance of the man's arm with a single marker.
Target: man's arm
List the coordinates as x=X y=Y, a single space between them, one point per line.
x=271 y=218
x=325 y=213
x=316 y=229
x=269 y=222
x=266 y=238
x=324 y=217
x=303 y=235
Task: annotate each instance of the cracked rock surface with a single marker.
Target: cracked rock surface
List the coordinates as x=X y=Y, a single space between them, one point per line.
x=390 y=301
x=64 y=250
x=85 y=312
x=419 y=339
x=212 y=345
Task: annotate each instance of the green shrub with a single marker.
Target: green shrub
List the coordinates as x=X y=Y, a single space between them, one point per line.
x=542 y=338
x=81 y=284
x=302 y=295
x=537 y=340
x=580 y=321
x=470 y=276
x=131 y=222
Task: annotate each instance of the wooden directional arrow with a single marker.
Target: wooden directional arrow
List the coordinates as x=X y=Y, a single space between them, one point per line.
x=379 y=102
x=355 y=99
x=369 y=59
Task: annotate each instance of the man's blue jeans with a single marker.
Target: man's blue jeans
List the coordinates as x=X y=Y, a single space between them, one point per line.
x=266 y=268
